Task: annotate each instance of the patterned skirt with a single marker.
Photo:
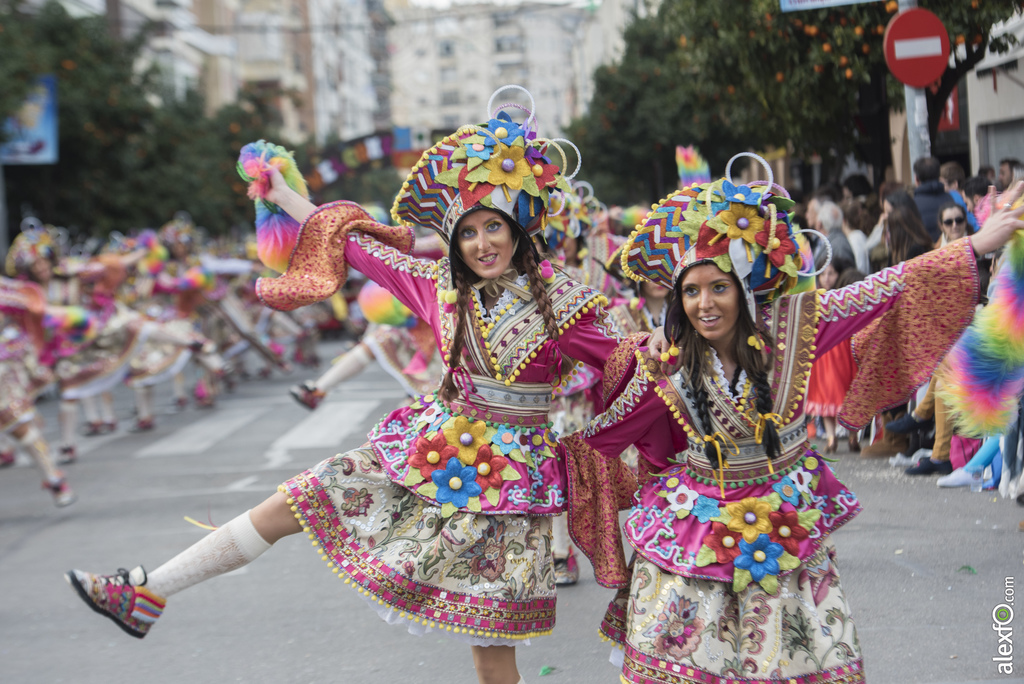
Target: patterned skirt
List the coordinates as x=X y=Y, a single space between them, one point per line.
x=484 y=579
x=21 y=381
x=679 y=630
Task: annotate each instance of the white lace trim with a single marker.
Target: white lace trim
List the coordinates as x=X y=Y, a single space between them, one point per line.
x=504 y=300
x=716 y=365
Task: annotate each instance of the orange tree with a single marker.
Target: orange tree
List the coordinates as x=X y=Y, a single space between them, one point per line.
x=745 y=73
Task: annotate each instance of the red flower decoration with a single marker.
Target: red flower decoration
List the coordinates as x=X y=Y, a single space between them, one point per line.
x=724 y=542
x=787 y=531
x=785 y=245
x=706 y=249
x=420 y=454
x=493 y=463
x=472 y=192
x=547 y=176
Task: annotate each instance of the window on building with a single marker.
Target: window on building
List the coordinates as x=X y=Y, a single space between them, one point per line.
x=508 y=44
x=449 y=75
x=446 y=48
x=450 y=97
x=452 y=121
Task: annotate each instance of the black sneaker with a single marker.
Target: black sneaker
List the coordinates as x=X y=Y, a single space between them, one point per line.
x=927 y=466
x=906 y=424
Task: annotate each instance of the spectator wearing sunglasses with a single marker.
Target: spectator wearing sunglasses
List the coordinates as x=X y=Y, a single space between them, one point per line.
x=952 y=223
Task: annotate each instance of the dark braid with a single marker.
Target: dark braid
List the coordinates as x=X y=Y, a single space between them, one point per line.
x=700 y=397
x=770 y=440
x=539 y=292
x=449 y=390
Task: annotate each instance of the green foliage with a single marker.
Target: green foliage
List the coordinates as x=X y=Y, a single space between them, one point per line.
x=131 y=153
x=726 y=76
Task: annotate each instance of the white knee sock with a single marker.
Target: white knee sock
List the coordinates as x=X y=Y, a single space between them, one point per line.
x=560 y=536
x=68 y=421
x=33 y=442
x=349 y=365
x=107 y=407
x=228 y=548
x=179 y=386
x=144 y=403
x=90 y=408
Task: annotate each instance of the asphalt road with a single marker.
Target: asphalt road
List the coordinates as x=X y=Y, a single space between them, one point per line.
x=906 y=563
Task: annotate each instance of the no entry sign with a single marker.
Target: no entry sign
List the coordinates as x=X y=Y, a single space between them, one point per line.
x=916 y=47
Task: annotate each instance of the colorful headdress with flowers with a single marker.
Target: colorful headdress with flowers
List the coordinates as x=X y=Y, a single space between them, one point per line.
x=742 y=229
x=570 y=214
x=181 y=229
x=33 y=242
x=499 y=165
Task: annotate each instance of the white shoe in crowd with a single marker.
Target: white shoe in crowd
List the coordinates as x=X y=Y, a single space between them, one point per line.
x=961 y=477
x=902 y=461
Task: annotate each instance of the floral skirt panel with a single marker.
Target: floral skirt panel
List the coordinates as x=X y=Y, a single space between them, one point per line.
x=486 y=578
x=22 y=377
x=682 y=630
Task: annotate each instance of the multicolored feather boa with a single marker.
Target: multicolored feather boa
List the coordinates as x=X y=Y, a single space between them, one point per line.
x=985 y=375
x=276 y=231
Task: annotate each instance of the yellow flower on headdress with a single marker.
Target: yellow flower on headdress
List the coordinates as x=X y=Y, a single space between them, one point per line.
x=507 y=166
x=742 y=221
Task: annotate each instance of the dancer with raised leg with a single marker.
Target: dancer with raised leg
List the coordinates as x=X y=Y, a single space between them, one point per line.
x=469 y=475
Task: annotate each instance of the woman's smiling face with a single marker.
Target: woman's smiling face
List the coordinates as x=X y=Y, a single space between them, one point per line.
x=711 y=300
x=485 y=241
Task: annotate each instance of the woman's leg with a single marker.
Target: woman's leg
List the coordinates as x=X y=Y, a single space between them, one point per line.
x=31 y=440
x=830 y=431
x=107 y=411
x=496 y=664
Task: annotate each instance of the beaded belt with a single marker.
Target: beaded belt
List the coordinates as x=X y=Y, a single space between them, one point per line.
x=751 y=462
x=524 y=403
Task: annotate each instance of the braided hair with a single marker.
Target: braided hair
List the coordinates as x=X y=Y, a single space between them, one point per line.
x=525 y=261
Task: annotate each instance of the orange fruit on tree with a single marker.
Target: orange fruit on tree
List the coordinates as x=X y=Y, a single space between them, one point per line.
x=843 y=61
x=827 y=47
x=858 y=30
x=849 y=73
x=779 y=76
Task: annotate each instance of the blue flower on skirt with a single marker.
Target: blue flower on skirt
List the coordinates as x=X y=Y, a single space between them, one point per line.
x=457 y=483
x=705 y=509
x=787 y=489
x=760 y=558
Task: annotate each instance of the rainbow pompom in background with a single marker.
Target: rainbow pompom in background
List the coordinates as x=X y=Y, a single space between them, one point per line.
x=380 y=306
x=276 y=231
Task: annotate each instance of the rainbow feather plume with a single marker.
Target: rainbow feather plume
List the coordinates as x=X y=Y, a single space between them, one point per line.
x=693 y=168
x=196 y=278
x=72 y=323
x=380 y=306
x=156 y=254
x=276 y=231
x=985 y=375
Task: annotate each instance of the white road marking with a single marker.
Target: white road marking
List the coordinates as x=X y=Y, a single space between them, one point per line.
x=200 y=436
x=326 y=427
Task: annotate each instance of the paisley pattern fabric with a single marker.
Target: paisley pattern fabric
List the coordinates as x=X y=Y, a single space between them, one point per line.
x=680 y=630
x=22 y=377
x=487 y=578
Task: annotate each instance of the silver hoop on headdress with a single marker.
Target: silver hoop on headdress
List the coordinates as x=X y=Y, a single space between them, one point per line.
x=759 y=158
x=490 y=103
x=585 y=186
x=579 y=157
x=561 y=207
x=828 y=247
x=30 y=223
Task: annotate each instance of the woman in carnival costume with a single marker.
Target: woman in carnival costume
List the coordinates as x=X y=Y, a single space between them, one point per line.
x=734 y=577
x=29 y=329
x=100 y=364
x=471 y=473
